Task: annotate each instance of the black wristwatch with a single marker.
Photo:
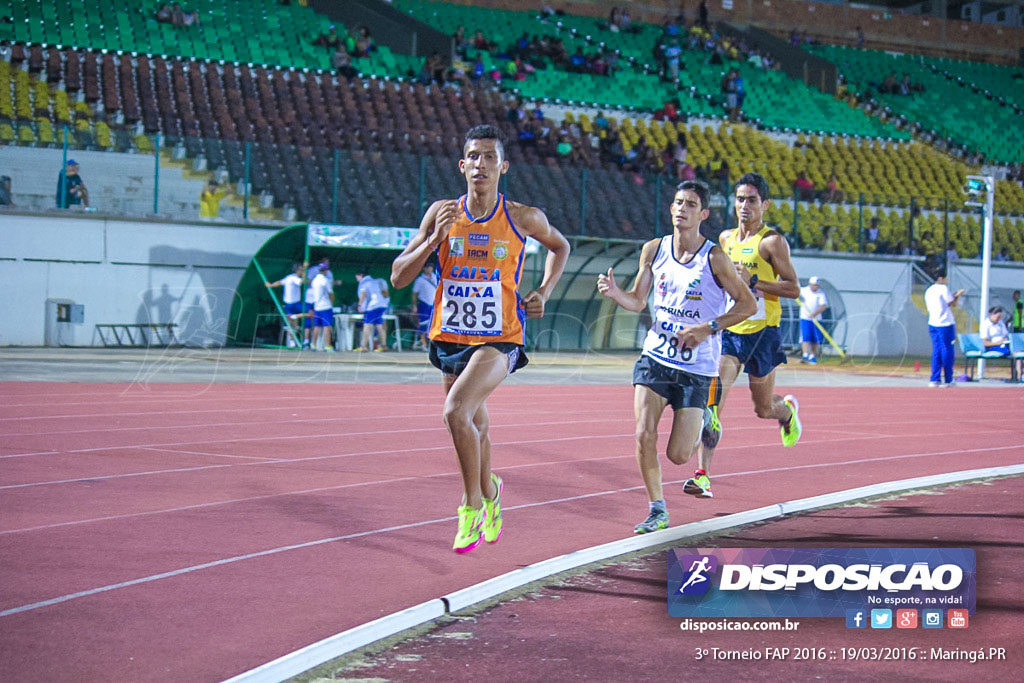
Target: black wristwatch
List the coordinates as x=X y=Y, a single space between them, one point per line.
x=714 y=326
x=753 y=282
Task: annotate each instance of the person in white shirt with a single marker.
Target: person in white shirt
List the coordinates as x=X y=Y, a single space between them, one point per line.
x=323 y=309
x=813 y=303
x=373 y=303
x=942 y=328
x=292 y=299
x=423 y=289
x=323 y=265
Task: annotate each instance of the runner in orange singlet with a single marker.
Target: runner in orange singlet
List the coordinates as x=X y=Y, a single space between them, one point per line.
x=477 y=332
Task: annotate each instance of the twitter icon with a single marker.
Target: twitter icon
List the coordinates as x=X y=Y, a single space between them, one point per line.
x=881 y=618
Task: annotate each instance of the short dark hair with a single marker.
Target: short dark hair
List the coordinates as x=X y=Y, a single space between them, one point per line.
x=995 y=309
x=941 y=272
x=698 y=187
x=486 y=132
x=757 y=181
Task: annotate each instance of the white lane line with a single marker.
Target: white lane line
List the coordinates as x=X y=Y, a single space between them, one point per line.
x=372 y=532
x=208 y=455
x=295 y=460
x=303 y=492
x=279 y=461
x=385 y=396
x=434 y=415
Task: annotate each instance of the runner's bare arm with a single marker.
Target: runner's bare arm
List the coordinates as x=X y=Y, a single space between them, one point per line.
x=775 y=250
x=434 y=227
x=532 y=222
x=635 y=299
x=745 y=306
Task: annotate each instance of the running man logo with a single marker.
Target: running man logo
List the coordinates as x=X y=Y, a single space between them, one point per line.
x=696 y=580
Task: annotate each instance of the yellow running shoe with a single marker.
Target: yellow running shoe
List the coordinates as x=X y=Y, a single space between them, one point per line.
x=699 y=485
x=492 y=525
x=792 y=429
x=470 y=524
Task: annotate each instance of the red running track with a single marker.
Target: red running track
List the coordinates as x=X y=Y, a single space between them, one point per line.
x=177 y=532
x=647 y=644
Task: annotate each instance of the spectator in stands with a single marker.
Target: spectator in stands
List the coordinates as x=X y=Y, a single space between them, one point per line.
x=612 y=148
x=731 y=87
x=613 y=20
x=365 y=43
x=481 y=43
x=477 y=73
x=164 y=15
x=755 y=59
x=951 y=255
x=177 y=15
x=331 y=40
x=625 y=21
x=905 y=85
x=5 y=191
x=342 y=63
x=578 y=62
x=828 y=238
x=873 y=237
x=804 y=187
x=461 y=41
x=600 y=121
x=832 y=193
x=672 y=53
x=1003 y=256
x=679 y=150
x=210 y=198
x=702 y=16
x=71 y=190
x=860 y=37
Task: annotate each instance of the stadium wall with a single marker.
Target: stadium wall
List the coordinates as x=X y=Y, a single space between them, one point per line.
x=122 y=271
x=134 y=271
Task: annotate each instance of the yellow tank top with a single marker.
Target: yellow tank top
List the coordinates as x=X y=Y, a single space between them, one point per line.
x=748 y=253
x=480 y=265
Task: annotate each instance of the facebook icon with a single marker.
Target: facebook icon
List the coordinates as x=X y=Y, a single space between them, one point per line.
x=856 y=618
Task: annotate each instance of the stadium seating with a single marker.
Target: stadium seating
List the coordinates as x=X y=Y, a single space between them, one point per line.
x=946 y=106
x=384 y=135
x=774 y=100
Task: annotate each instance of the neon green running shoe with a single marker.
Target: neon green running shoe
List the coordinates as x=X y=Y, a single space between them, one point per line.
x=699 y=485
x=655 y=521
x=492 y=525
x=711 y=430
x=470 y=524
x=791 y=430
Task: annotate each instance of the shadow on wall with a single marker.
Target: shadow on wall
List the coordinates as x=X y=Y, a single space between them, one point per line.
x=192 y=289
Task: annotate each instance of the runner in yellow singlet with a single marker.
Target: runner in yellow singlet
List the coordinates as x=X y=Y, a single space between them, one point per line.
x=477 y=332
x=761 y=257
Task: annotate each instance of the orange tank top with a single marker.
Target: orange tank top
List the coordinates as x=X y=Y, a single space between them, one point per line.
x=479 y=266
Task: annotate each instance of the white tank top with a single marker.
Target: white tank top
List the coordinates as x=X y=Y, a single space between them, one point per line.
x=684 y=294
